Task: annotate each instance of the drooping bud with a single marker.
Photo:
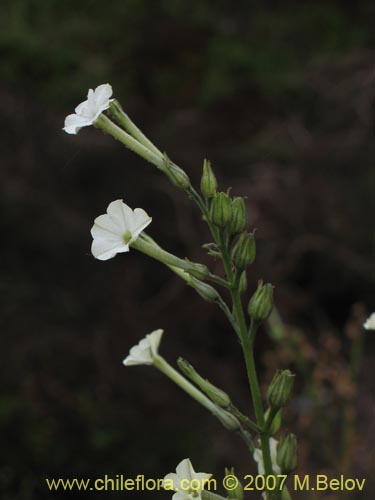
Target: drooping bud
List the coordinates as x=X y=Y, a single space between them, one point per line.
x=208 y=181
x=238 y=220
x=221 y=210
x=243 y=253
x=276 y=422
x=243 y=283
x=176 y=175
x=287 y=454
x=237 y=492
x=216 y=395
x=207 y=292
x=261 y=303
x=280 y=389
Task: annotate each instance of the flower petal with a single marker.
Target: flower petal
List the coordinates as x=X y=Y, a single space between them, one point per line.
x=73 y=123
x=138 y=356
x=185 y=469
x=154 y=340
x=104 y=249
x=121 y=214
x=139 y=222
x=105 y=227
x=102 y=95
x=369 y=324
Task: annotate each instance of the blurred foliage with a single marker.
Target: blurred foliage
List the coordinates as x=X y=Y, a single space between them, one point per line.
x=279 y=95
x=54 y=49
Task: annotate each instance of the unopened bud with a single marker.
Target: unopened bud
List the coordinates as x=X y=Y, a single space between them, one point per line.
x=208 y=181
x=237 y=492
x=227 y=419
x=243 y=253
x=207 y=292
x=280 y=389
x=221 y=210
x=216 y=395
x=261 y=303
x=177 y=176
x=276 y=421
x=287 y=454
x=243 y=283
x=238 y=220
x=199 y=271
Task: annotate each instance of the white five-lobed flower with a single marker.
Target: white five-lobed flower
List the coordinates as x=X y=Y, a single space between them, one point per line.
x=369 y=324
x=145 y=352
x=187 y=483
x=258 y=457
x=88 y=111
x=114 y=231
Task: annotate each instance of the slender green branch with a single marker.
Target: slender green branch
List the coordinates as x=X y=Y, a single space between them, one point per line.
x=246 y=421
x=107 y=126
x=227 y=419
x=126 y=122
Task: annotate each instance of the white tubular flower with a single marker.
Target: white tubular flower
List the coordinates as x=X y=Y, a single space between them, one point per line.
x=145 y=352
x=369 y=324
x=258 y=457
x=114 y=231
x=88 y=111
x=187 y=483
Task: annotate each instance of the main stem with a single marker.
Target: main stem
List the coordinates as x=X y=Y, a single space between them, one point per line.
x=253 y=379
x=247 y=347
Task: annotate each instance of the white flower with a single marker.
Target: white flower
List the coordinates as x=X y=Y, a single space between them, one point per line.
x=114 y=231
x=187 y=483
x=145 y=352
x=88 y=111
x=258 y=457
x=369 y=324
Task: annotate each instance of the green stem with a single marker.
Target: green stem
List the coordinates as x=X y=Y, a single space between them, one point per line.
x=107 y=126
x=125 y=121
x=156 y=252
x=246 y=421
x=229 y=421
x=247 y=347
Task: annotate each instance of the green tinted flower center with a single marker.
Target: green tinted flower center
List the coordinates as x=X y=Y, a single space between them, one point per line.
x=127 y=237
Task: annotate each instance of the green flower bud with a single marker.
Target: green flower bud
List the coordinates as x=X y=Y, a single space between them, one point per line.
x=276 y=422
x=237 y=493
x=287 y=454
x=238 y=220
x=280 y=389
x=176 y=175
x=227 y=419
x=221 y=210
x=199 y=271
x=243 y=283
x=208 y=182
x=216 y=395
x=244 y=251
x=207 y=292
x=261 y=303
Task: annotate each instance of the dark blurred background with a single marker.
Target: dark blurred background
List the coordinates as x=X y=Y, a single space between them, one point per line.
x=280 y=97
